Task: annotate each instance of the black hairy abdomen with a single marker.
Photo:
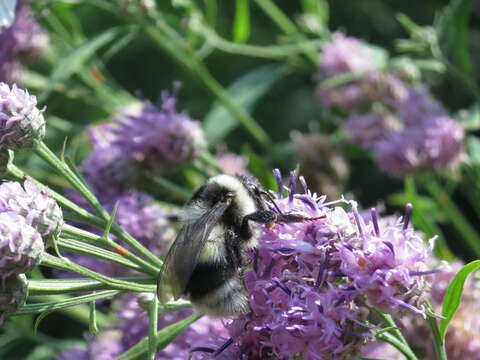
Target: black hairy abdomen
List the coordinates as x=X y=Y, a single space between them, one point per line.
x=207 y=277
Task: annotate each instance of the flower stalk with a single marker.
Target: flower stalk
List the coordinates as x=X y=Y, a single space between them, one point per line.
x=50 y=158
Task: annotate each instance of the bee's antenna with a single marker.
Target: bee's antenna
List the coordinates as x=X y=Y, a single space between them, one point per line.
x=272 y=200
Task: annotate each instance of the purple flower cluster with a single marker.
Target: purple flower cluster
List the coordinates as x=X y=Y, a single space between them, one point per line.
x=23 y=39
x=405 y=127
x=27 y=213
x=154 y=138
x=312 y=282
x=22 y=125
x=231 y=163
x=133 y=327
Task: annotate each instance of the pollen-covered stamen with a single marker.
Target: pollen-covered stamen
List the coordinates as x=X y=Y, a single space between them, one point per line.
x=278 y=178
x=408 y=214
x=292 y=186
x=304 y=184
x=356 y=215
x=422 y=273
x=373 y=214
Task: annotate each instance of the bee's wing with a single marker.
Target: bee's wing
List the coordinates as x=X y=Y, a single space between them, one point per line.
x=183 y=255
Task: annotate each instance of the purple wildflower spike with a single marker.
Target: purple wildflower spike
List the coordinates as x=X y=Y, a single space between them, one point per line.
x=278 y=178
x=407 y=215
x=373 y=214
x=22 y=125
x=292 y=186
x=21 y=246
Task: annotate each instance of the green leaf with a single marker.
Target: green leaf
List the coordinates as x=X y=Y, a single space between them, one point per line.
x=408 y=24
x=452 y=30
x=55 y=305
x=316 y=14
x=470 y=119
x=241 y=23
x=453 y=295
x=473 y=149
x=164 y=337
x=39 y=319
x=75 y=60
x=247 y=90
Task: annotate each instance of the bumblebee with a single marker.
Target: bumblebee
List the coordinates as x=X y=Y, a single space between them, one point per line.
x=207 y=258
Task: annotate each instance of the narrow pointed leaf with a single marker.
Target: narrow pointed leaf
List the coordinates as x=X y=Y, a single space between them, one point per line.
x=164 y=337
x=453 y=296
x=247 y=91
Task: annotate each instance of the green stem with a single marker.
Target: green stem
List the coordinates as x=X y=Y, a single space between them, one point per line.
x=82 y=235
x=86 y=217
x=461 y=224
x=279 y=18
x=50 y=158
x=62 y=304
x=428 y=226
x=65 y=286
x=152 y=327
x=399 y=345
x=117 y=284
x=163 y=337
x=389 y=322
x=80 y=313
x=171 y=42
x=267 y=52
x=438 y=341
x=94 y=251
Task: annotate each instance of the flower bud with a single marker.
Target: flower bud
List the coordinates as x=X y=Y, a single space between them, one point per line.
x=22 y=125
x=35 y=204
x=21 y=246
x=13 y=294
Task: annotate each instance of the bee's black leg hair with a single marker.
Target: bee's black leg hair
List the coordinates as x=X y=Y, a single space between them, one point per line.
x=268 y=218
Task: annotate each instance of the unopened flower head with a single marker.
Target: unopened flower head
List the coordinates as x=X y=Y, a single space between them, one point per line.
x=435 y=144
x=231 y=163
x=107 y=168
x=366 y=130
x=21 y=246
x=22 y=125
x=417 y=105
x=347 y=54
x=13 y=294
x=34 y=203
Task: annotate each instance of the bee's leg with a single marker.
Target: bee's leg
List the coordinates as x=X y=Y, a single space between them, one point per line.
x=289 y=218
x=266 y=217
